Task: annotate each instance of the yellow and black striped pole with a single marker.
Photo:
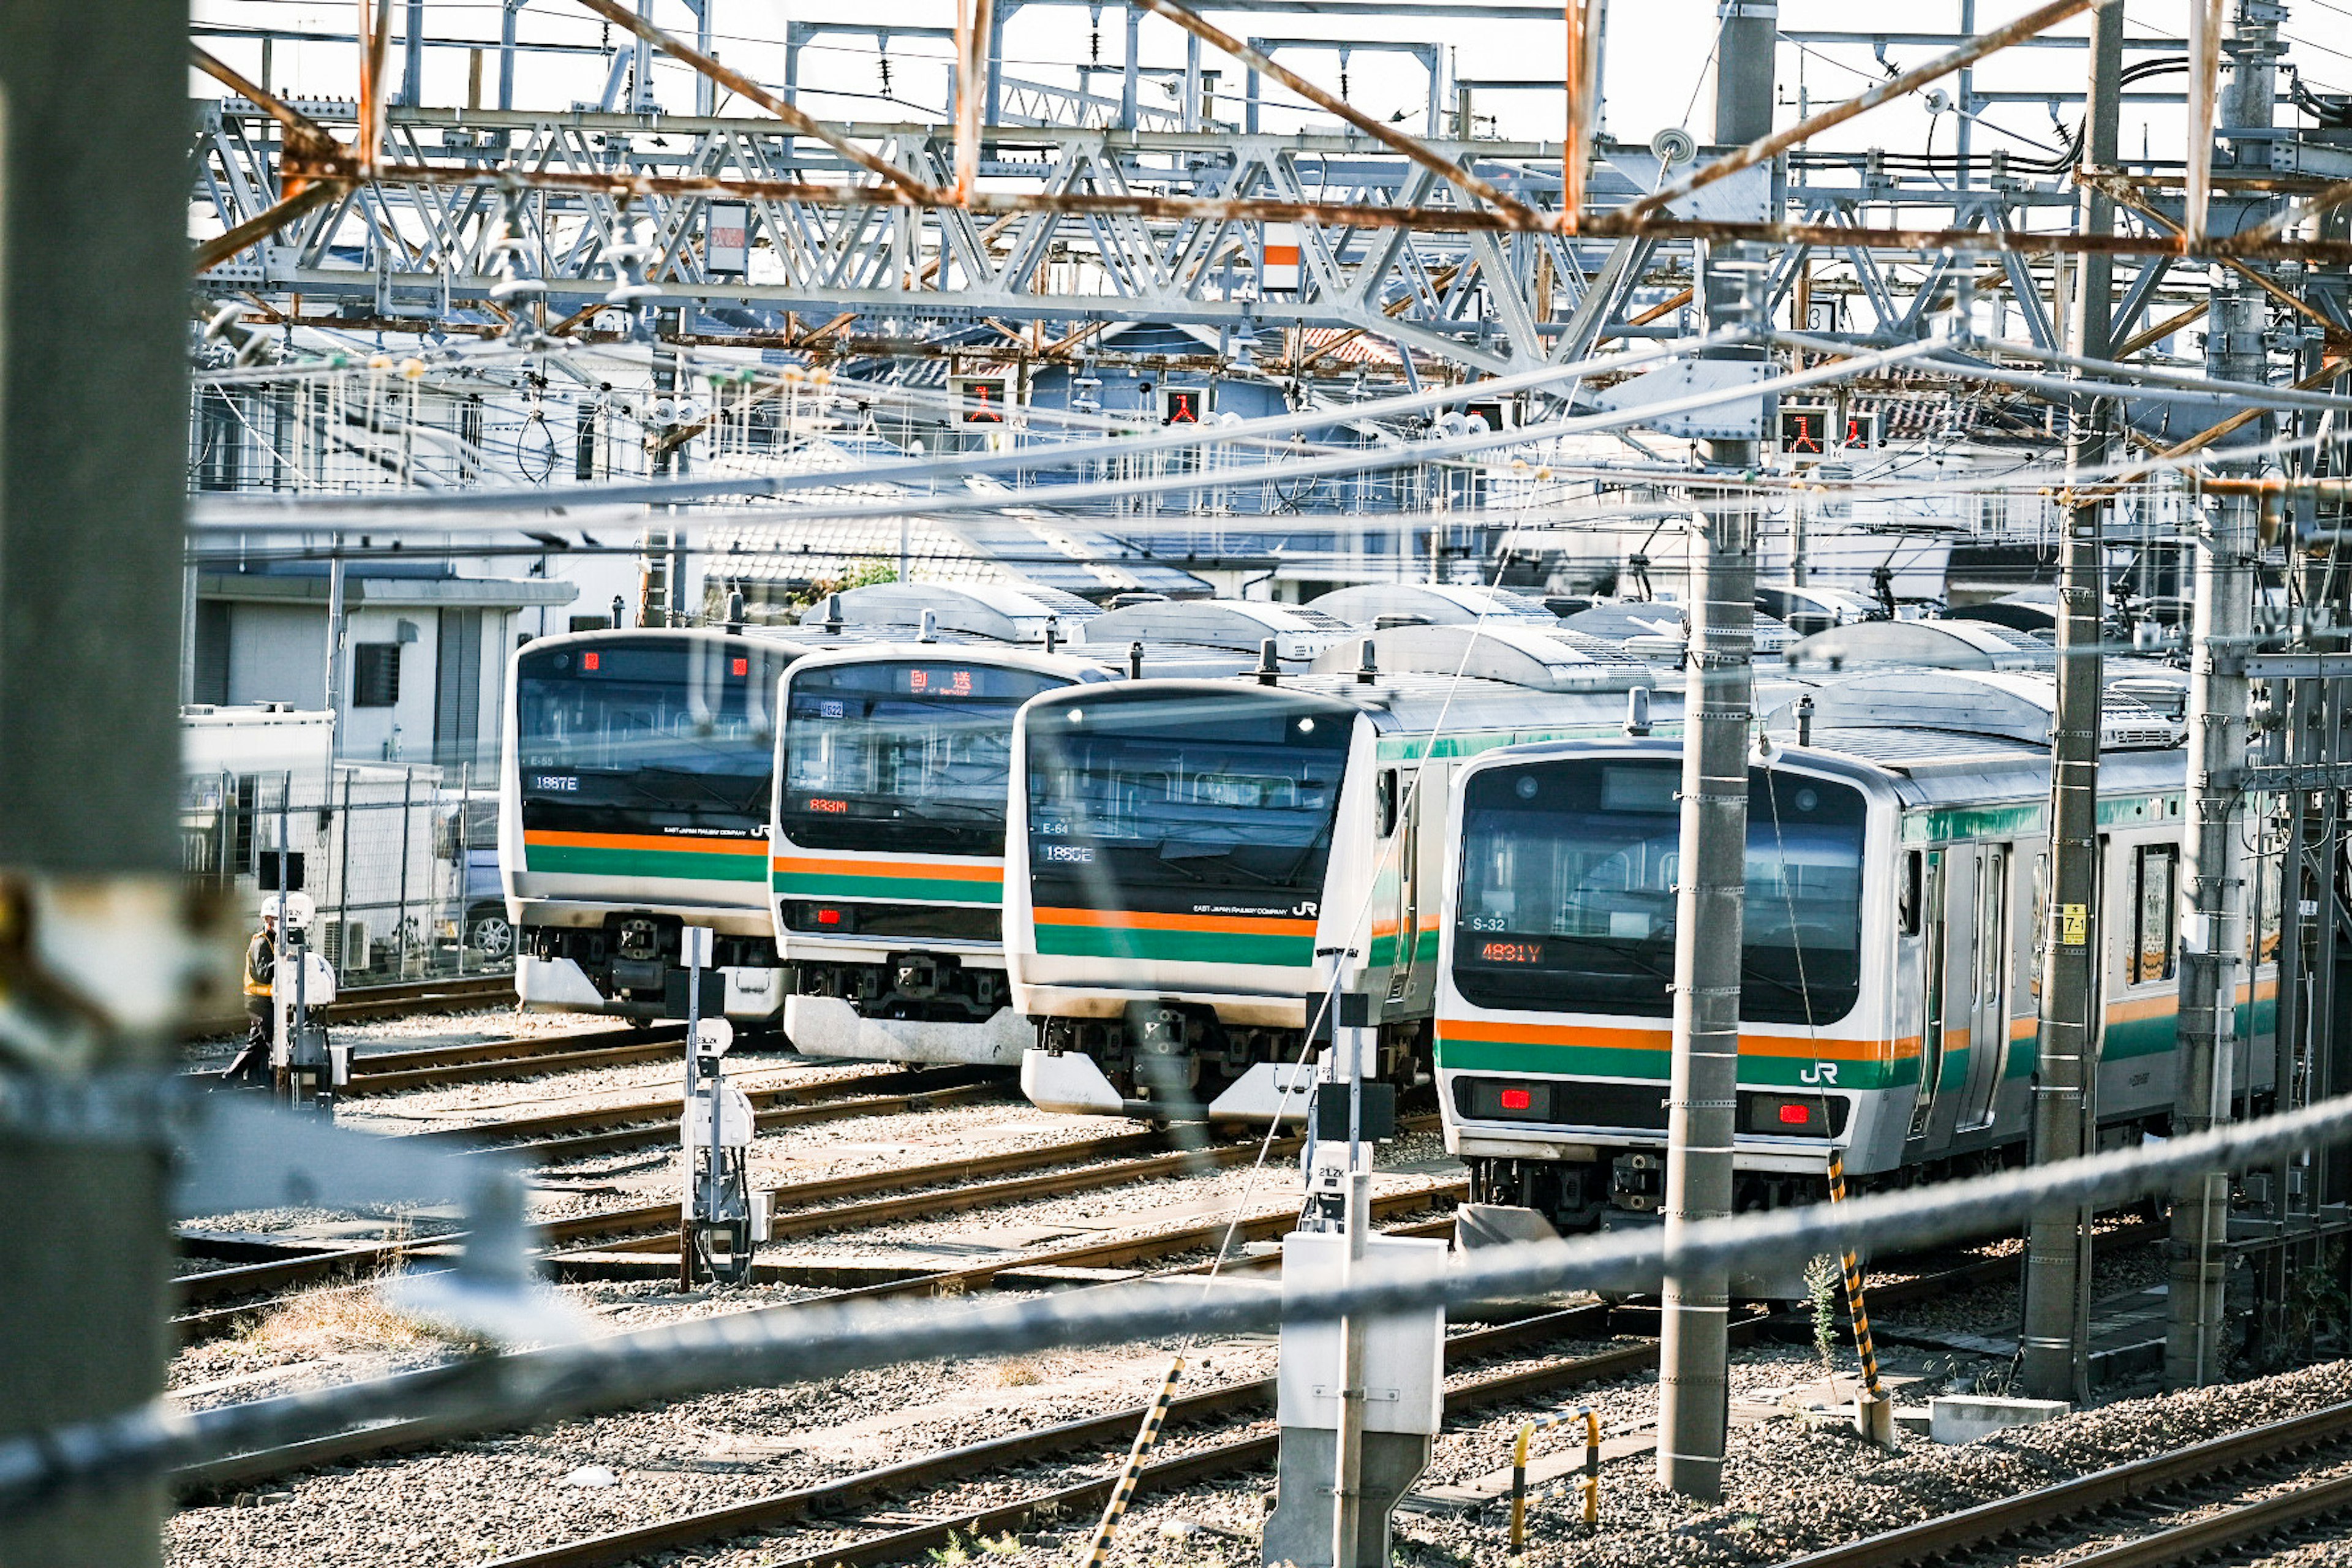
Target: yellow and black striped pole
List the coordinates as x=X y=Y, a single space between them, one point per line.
x=1588 y=1483
x=1099 y=1553
x=1855 y=1310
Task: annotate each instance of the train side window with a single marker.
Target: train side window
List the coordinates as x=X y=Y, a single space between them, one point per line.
x=2041 y=914
x=2155 y=871
x=1386 y=799
x=1912 y=896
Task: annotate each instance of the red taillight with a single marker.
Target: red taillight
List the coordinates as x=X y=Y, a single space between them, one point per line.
x=828 y=916
x=588 y=661
x=742 y=666
x=1518 y=1100
x=1794 y=1115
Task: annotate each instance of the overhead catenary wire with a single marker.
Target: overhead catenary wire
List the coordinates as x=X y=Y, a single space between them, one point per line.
x=824 y=1340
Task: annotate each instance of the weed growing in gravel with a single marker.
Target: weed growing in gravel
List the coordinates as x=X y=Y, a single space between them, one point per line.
x=1019 y=1373
x=952 y=1555
x=331 y=1321
x=1005 y=1545
x=1821 y=1278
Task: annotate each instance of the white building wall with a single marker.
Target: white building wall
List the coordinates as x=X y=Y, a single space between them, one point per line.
x=403 y=733
x=278 y=653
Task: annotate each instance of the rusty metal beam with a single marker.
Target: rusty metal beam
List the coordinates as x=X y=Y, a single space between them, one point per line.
x=1583 y=77
x=2330 y=370
x=919 y=192
x=2274 y=228
x=1344 y=214
x=972 y=18
x=2159 y=332
x=310 y=193
x=1387 y=135
x=2204 y=71
x=1765 y=149
x=2226 y=252
x=372 y=62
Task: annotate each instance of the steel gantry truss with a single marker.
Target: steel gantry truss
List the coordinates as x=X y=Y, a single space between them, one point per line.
x=1467 y=255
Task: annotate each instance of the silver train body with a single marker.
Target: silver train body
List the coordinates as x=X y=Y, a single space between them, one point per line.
x=887 y=859
x=1193 y=866
x=1895 y=898
x=634 y=804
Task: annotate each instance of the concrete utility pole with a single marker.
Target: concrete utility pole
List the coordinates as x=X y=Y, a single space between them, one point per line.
x=1694 y=1346
x=2056 y=1363
x=93 y=207
x=1694 y=1350
x=2213 y=887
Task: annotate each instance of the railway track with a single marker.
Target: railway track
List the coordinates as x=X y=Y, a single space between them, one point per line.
x=524 y=1055
x=1037 y=1269
x=878 y=1197
x=1236 y=1455
x=401 y=999
x=1253 y=1398
x=2005 y=1524
x=613 y=1129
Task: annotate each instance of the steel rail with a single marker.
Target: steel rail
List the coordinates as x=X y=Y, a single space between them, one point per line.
x=367 y=1079
x=2186 y=1542
x=381 y=1437
x=653 y=1226
x=1933 y=1540
x=1254 y=1396
x=601 y=1129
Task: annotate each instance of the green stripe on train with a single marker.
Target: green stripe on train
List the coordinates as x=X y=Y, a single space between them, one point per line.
x=1174 y=946
x=916 y=889
x=700 y=866
x=1384 y=949
x=1616 y=1061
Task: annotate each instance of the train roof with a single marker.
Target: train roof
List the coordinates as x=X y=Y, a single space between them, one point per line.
x=997 y=610
x=1540 y=658
x=1940 y=645
x=1406 y=705
x=1434 y=604
x=1298 y=633
x=2014 y=705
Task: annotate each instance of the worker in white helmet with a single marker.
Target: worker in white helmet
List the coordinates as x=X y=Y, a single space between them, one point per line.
x=251 y=1068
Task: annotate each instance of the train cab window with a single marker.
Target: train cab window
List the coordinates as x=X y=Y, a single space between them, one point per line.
x=2155 y=875
x=1389 y=793
x=1567 y=891
x=1913 y=891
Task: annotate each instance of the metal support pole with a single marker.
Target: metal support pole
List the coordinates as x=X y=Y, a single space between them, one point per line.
x=2055 y=1361
x=412 y=68
x=1128 y=81
x=1348 y=1479
x=508 y=12
x=335 y=618
x=93 y=454
x=1694 y=1350
x=2213 y=908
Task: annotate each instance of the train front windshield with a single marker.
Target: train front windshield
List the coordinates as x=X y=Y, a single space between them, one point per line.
x=905 y=755
x=619 y=736
x=1568 y=893
x=1153 y=799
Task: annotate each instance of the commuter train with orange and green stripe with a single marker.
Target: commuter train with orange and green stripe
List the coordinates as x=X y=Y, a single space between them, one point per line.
x=635 y=805
x=886 y=865
x=1193 y=867
x=1897 y=859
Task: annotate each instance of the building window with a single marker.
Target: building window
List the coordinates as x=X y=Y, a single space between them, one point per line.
x=376 y=675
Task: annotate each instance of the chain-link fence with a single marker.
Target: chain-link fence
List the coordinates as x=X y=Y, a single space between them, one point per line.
x=401 y=863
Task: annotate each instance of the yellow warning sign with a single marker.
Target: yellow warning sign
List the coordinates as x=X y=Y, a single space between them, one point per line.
x=2073 y=925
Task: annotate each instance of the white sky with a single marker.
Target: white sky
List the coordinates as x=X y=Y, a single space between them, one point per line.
x=1658 y=60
